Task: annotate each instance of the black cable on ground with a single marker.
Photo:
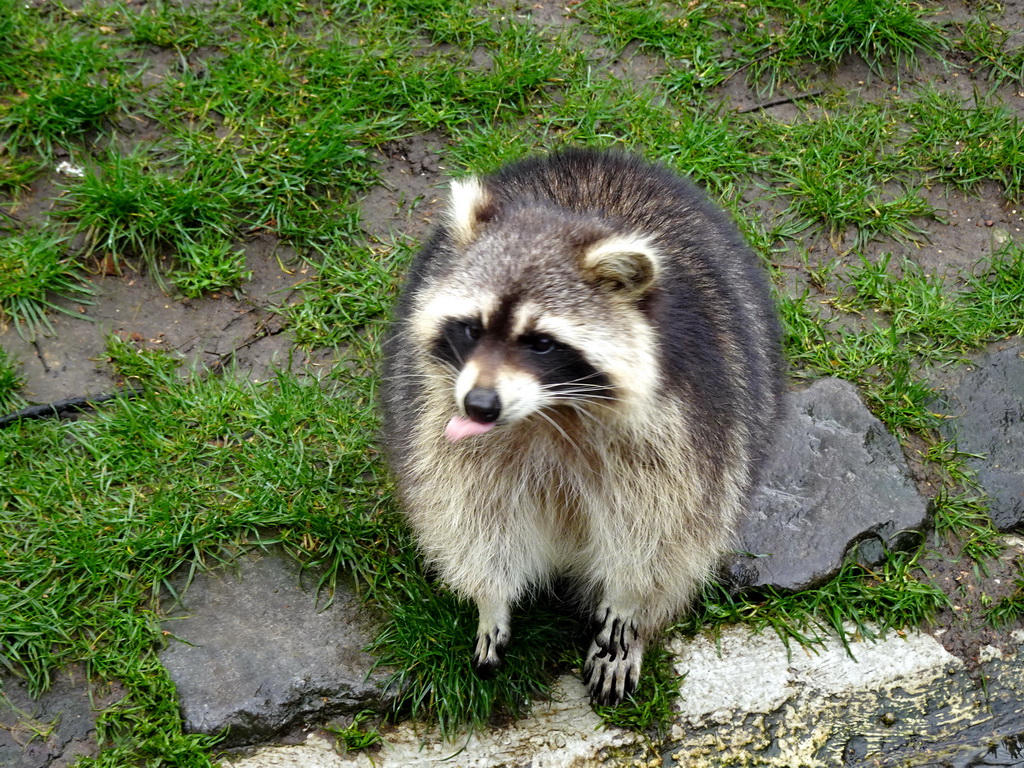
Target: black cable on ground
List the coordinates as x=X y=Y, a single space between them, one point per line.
x=62 y=408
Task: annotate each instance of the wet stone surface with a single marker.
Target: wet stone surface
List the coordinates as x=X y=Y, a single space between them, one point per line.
x=986 y=401
x=254 y=651
x=903 y=701
x=837 y=479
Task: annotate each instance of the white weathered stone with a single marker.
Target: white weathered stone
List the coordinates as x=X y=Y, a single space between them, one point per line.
x=733 y=672
x=746 y=700
x=563 y=733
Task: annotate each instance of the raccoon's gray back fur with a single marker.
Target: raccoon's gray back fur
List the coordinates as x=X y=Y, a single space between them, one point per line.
x=581 y=379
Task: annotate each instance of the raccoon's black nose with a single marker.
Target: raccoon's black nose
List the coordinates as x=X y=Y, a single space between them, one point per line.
x=483 y=405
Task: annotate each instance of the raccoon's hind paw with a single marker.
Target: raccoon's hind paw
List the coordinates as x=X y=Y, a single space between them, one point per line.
x=490 y=647
x=612 y=669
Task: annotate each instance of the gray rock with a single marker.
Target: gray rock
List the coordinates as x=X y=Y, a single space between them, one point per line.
x=256 y=655
x=988 y=403
x=836 y=478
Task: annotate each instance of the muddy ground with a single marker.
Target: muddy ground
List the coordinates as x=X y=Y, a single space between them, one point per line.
x=412 y=174
x=244 y=330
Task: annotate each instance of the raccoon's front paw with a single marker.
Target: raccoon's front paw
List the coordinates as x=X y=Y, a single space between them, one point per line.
x=490 y=648
x=612 y=669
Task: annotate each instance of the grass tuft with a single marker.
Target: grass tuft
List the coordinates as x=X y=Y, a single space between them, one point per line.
x=986 y=44
x=968 y=142
x=964 y=516
x=353 y=736
x=207 y=266
x=1009 y=609
x=35 y=272
x=881 y=32
x=134 y=362
x=10 y=382
x=429 y=640
x=873 y=601
x=70 y=85
x=131 y=209
x=353 y=288
x=651 y=708
x=165 y=25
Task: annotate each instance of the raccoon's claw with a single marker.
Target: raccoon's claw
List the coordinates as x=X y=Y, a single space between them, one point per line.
x=490 y=647
x=612 y=669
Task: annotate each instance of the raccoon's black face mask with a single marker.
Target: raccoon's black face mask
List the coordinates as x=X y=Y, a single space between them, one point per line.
x=504 y=377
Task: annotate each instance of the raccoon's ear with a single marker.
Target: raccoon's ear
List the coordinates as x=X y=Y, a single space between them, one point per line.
x=469 y=206
x=627 y=263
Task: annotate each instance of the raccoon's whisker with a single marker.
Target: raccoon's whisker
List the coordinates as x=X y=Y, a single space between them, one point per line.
x=562 y=389
x=585 y=380
x=554 y=424
x=586 y=408
x=567 y=394
x=570 y=397
x=420 y=377
x=583 y=412
x=577 y=384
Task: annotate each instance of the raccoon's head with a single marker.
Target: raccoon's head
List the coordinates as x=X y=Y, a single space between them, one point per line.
x=538 y=311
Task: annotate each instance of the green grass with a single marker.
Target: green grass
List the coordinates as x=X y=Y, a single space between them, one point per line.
x=10 y=383
x=428 y=641
x=208 y=265
x=353 y=736
x=267 y=117
x=165 y=480
x=964 y=516
x=164 y=25
x=133 y=210
x=967 y=144
x=925 y=319
x=353 y=289
x=986 y=43
x=1009 y=610
x=871 y=601
x=882 y=32
x=64 y=85
x=651 y=708
x=775 y=41
x=134 y=362
x=35 y=271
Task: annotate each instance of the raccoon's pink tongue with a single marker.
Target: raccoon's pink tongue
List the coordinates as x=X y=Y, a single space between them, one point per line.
x=460 y=427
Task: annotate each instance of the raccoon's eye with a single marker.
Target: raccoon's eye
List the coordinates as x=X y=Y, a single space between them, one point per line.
x=539 y=344
x=472 y=331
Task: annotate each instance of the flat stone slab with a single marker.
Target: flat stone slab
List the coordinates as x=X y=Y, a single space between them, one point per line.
x=987 y=401
x=836 y=478
x=255 y=654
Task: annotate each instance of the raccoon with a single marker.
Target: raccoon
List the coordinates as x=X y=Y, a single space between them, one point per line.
x=580 y=381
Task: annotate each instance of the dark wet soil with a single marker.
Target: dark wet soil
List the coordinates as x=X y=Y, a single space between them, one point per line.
x=55 y=729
